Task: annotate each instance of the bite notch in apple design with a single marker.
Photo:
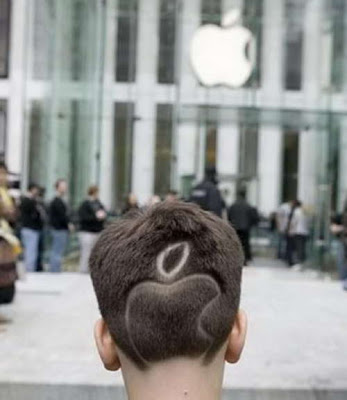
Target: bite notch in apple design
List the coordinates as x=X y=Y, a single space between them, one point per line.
x=218 y=54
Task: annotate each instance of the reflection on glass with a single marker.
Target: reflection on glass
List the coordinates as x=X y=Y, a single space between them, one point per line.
x=167 y=32
x=248 y=154
x=211 y=12
x=4 y=36
x=290 y=165
x=294 y=14
x=38 y=151
x=338 y=12
x=252 y=19
x=126 y=40
x=163 y=149
x=123 y=143
x=211 y=145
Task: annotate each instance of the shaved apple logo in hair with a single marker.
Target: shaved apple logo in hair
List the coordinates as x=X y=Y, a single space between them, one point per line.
x=218 y=54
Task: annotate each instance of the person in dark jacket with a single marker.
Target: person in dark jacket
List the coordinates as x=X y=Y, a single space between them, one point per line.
x=207 y=195
x=243 y=217
x=31 y=226
x=92 y=216
x=60 y=225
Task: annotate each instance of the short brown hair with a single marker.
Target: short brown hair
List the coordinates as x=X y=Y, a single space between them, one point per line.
x=168 y=281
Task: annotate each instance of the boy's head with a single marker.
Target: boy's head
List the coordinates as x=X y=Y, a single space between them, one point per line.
x=167 y=281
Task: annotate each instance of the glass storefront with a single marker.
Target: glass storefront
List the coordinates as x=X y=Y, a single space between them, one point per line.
x=280 y=136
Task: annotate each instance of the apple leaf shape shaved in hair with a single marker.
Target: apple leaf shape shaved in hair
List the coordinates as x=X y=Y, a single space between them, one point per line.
x=168 y=282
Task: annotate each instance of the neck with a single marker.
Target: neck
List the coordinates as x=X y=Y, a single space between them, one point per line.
x=184 y=379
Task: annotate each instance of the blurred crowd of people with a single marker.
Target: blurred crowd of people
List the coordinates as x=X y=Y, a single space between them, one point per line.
x=24 y=226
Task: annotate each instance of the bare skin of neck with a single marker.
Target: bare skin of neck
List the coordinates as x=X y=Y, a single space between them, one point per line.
x=175 y=379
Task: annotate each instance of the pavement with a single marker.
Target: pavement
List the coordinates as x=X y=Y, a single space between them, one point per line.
x=296 y=346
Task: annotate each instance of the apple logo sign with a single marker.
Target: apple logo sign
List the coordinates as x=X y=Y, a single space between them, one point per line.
x=218 y=54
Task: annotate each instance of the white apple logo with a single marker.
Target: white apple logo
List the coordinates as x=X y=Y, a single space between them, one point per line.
x=218 y=54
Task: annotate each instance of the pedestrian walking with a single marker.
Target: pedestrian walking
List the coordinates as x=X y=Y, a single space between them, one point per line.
x=301 y=232
x=243 y=217
x=290 y=235
x=60 y=225
x=32 y=220
x=92 y=216
x=207 y=195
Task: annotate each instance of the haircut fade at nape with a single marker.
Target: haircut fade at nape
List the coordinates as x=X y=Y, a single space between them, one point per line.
x=167 y=281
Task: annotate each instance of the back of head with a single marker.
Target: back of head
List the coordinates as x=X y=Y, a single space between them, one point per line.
x=167 y=282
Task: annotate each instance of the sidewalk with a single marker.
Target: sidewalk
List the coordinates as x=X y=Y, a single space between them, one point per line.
x=297 y=343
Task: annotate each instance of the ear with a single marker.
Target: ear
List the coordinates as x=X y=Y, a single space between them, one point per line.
x=106 y=346
x=236 y=339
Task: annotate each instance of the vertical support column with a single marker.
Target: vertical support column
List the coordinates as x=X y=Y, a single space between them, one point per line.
x=269 y=166
x=272 y=52
x=190 y=21
x=228 y=142
x=228 y=146
x=107 y=112
x=306 y=168
x=311 y=89
x=187 y=140
x=270 y=134
x=16 y=140
x=145 y=127
x=312 y=52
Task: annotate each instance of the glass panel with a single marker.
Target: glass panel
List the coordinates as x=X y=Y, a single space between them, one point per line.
x=248 y=154
x=126 y=40
x=38 y=149
x=294 y=12
x=64 y=127
x=123 y=143
x=252 y=19
x=211 y=145
x=163 y=149
x=2 y=128
x=167 y=32
x=4 y=37
x=338 y=9
x=290 y=165
x=43 y=38
x=211 y=12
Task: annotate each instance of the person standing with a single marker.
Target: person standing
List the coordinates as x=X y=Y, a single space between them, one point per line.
x=301 y=231
x=243 y=217
x=290 y=235
x=92 y=216
x=207 y=195
x=60 y=225
x=43 y=210
x=31 y=226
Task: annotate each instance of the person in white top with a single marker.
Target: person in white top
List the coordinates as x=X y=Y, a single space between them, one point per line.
x=299 y=227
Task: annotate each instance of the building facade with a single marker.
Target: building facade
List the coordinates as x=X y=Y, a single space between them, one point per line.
x=103 y=92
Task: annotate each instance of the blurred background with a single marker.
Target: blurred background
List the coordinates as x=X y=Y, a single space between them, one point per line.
x=103 y=92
